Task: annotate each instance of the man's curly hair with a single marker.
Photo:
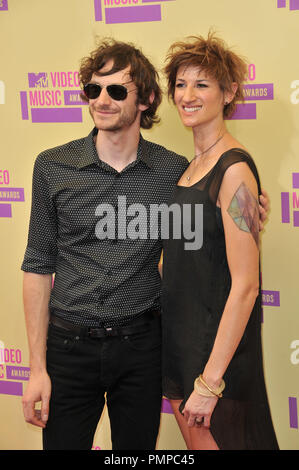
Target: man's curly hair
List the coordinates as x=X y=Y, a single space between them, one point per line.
x=142 y=72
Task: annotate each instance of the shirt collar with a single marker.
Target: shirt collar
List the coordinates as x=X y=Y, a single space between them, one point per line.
x=90 y=156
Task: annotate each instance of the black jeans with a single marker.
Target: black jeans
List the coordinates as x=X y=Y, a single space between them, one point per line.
x=82 y=370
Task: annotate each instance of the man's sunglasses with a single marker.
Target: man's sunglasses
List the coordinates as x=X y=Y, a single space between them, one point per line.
x=116 y=92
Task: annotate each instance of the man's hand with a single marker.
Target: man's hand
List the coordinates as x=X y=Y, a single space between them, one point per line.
x=38 y=390
x=264 y=207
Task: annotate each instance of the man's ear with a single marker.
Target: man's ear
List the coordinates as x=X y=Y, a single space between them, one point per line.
x=143 y=107
x=152 y=97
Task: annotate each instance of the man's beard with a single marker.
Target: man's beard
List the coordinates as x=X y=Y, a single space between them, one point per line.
x=126 y=119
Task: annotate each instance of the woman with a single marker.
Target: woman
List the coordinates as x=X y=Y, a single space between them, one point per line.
x=213 y=373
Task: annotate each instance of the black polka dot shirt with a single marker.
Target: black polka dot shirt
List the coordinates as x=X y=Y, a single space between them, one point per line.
x=99 y=280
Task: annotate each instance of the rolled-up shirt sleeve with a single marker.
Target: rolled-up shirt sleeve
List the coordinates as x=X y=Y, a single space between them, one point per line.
x=41 y=251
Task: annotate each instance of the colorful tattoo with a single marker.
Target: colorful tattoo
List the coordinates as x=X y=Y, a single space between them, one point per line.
x=244 y=210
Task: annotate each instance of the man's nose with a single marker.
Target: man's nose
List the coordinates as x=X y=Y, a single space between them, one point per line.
x=103 y=97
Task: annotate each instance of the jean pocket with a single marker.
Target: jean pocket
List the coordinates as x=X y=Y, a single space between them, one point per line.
x=60 y=339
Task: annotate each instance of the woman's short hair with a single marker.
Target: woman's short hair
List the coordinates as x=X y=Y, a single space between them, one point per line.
x=212 y=56
x=142 y=72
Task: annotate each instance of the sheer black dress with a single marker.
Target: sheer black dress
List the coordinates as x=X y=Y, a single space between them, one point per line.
x=196 y=285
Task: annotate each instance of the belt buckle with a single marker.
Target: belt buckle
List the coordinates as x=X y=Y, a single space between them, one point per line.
x=109 y=330
x=95 y=332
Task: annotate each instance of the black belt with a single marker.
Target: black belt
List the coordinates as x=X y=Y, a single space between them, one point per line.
x=139 y=324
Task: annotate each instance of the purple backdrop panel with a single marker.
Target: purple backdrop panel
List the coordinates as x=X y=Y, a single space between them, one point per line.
x=133 y=14
x=11 y=388
x=12 y=194
x=166 y=406
x=98 y=10
x=56 y=115
x=24 y=105
x=293 y=412
x=17 y=372
x=296 y=180
x=4 y=5
x=5 y=210
x=285 y=208
x=271 y=297
x=72 y=97
x=296 y=218
x=263 y=91
x=294 y=4
x=245 y=111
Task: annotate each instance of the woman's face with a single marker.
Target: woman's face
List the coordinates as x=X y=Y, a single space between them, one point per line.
x=198 y=97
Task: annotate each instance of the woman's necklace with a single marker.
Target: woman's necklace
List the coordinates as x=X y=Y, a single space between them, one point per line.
x=205 y=151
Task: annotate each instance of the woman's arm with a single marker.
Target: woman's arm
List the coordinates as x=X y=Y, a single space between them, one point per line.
x=238 y=198
x=238 y=195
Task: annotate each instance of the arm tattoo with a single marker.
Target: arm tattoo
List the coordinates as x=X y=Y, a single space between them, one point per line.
x=244 y=210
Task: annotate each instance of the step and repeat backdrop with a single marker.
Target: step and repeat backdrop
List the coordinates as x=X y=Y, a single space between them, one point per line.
x=42 y=43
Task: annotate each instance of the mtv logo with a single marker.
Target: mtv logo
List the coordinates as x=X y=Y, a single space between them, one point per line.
x=38 y=80
x=285 y=203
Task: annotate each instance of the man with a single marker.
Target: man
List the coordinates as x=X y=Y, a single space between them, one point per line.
x=104 y=333
x=97 y=331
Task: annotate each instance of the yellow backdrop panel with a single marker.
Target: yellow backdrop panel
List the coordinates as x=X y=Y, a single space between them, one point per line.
x=41 y=46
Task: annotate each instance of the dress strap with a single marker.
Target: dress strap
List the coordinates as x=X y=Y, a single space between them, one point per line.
x=228 y=158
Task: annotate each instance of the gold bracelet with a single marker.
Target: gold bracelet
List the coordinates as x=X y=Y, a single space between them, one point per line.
x=218 y=391
x=198 y=389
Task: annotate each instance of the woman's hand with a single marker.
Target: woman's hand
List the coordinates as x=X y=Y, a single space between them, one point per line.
x=198 y=410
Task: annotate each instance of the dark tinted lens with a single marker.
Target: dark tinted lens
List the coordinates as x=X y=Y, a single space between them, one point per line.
x=117 y=92
x=92 y=91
